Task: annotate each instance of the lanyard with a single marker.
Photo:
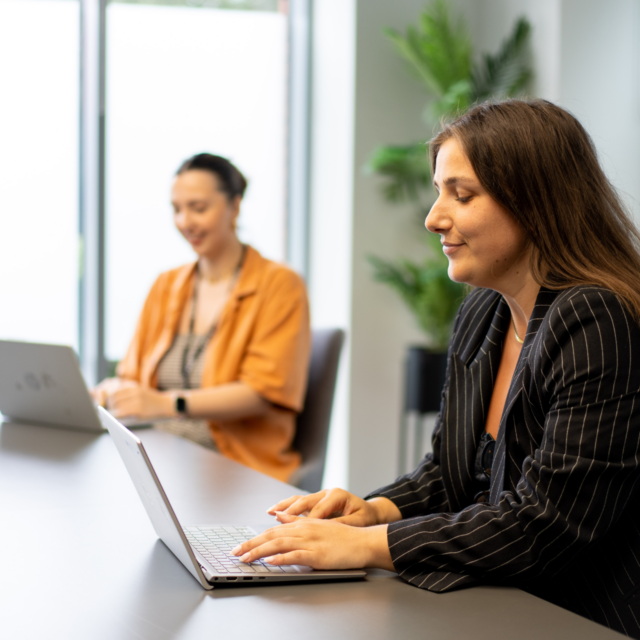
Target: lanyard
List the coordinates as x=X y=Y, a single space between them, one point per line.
x=187 y=367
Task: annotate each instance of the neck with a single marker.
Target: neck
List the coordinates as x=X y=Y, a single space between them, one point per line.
x=223 y=264
x=521 y=304
x=519 y=290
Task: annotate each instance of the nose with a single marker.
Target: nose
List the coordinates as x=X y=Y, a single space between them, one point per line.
x=438 y=221
x=181 y=219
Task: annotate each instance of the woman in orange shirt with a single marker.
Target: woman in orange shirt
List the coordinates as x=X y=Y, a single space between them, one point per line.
x=221 y=350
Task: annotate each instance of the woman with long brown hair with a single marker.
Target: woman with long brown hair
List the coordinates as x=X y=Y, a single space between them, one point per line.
x=533 y=479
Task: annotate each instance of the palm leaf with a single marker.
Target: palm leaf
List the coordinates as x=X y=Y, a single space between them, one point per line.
x=439 y=50
x=428 y=292
x=456 y=100
x=508 y=72
x=405 y=168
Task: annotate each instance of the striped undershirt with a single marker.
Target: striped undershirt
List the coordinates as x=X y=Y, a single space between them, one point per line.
x=170 y=377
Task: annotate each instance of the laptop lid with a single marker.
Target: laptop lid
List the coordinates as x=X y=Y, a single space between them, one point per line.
x=152 y=494
x=166 y=523
x=42 y=383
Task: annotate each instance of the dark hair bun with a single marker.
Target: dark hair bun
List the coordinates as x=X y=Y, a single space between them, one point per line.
x=232 y=182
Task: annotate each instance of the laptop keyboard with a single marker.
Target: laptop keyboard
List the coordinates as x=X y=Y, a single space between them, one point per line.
x=215 y=544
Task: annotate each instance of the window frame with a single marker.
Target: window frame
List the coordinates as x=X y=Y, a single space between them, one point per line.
x=92 y=209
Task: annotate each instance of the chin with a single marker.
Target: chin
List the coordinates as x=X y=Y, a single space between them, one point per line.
x=202 y=250
x=197 y=250
x=457 y=274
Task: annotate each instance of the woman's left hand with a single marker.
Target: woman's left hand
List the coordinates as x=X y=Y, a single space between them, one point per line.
x=320 y=544
x=141 y=402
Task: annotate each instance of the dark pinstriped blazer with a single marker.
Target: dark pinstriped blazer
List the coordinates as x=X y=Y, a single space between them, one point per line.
x=563 y=520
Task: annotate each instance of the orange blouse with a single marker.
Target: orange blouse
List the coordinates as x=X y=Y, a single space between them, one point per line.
x=263 y=339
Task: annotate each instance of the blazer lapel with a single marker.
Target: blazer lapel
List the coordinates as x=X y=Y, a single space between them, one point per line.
x=472 y=375
x=543 y=301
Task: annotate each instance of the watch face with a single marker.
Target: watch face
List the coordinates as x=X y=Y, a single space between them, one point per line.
x=181 y=405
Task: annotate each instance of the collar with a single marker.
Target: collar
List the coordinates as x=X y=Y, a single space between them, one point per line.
x=251 y=274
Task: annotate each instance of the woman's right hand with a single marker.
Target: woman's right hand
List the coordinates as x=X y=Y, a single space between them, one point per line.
x=101 y=392
x=340 y=505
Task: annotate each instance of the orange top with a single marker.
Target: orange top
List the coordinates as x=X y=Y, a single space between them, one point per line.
x=262 y=339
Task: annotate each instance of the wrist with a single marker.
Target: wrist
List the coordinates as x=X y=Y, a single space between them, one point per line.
x=377 y=554
x=384 y=510
x=176 y=401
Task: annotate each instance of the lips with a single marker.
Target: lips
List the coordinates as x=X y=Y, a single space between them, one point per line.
x=194 y=239
x=450 y=248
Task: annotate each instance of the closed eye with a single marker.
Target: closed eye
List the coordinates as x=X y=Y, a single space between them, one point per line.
x=463 y=200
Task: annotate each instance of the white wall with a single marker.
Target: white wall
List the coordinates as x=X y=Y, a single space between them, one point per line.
x=587 y=58
x=600 y=83
x=389 y=105
x=351 y=220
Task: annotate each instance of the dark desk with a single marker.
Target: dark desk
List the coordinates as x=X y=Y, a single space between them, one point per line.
x=79 y=559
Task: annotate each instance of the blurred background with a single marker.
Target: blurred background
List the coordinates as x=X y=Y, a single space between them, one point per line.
x=101 y=101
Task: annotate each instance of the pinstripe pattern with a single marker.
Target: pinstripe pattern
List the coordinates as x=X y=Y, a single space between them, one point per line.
x=564 y=512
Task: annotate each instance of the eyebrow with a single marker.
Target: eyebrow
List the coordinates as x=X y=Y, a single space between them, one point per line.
x=454 y=180
x=192 y=202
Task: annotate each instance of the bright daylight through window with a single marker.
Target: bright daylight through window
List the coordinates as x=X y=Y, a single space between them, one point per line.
x=182 y=80
x=39 y=245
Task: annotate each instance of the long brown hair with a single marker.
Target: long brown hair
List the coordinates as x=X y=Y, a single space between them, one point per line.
x=537 y=161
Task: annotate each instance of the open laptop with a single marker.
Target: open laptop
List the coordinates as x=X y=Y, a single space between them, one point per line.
x=42 y=384
x=205 y=550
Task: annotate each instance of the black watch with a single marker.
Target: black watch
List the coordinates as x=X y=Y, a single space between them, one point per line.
x=181 y=406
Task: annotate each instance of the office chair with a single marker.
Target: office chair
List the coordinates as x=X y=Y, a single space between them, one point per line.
x=312 y=427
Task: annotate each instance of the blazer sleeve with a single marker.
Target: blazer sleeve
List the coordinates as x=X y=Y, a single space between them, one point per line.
x=276 y=361
x=422 y=491
x=147 y=328
x=575 y=485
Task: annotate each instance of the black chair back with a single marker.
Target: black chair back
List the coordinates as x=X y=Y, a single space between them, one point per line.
x=312 y=427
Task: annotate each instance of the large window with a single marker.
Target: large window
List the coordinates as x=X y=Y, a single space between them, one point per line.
x=39 y=244
x=182 y=80
x=101 y=102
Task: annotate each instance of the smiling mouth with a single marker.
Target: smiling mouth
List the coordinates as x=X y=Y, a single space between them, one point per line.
x=449 y=247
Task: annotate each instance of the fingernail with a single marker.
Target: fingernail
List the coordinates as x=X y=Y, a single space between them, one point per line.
x=270 y=509
x=236 y=551
x=244 y=558
x=269 y=559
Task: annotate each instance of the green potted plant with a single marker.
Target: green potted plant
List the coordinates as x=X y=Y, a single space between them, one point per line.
x=440 y=55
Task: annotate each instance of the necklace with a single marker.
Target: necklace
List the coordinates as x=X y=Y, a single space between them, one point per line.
x=516 y=333
x=187 y=367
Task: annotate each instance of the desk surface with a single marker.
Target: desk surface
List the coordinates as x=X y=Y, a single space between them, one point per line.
x=79 y=559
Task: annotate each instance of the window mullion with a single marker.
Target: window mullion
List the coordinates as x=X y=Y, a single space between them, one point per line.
x=92 y=189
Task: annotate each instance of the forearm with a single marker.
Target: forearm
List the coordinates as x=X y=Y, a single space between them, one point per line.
x=417 y=493
x=232 y=401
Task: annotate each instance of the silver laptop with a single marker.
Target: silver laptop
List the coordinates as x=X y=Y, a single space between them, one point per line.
x=42 y=384
x=205 y=550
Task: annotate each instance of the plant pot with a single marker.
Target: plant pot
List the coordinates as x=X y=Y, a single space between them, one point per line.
x=424 y=380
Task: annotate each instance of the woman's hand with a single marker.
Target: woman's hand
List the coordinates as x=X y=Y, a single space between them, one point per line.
x=320 y=544
x=131 y=399
x=101 y=392
x=341 y=506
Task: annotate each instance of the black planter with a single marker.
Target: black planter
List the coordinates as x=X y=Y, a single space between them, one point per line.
x=424 y=379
